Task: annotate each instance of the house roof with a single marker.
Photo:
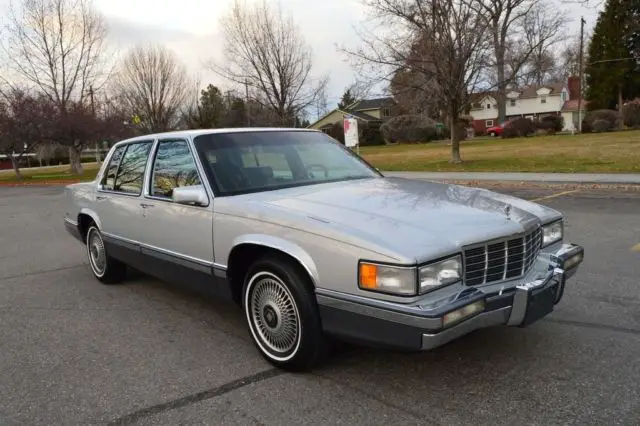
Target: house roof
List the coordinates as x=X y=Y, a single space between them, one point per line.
x=361 y=115
x=530 y=92
x=526 y=92
x=572 y=105
x=477 y=97
x=357 y=114
x=376 y=103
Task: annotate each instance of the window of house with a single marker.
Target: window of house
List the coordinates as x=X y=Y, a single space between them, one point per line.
x=488 y=123
x=543 y=99
x=488 y=106
x=131 y=171
x=173 y=167
x=512 y=102
x=386 y=112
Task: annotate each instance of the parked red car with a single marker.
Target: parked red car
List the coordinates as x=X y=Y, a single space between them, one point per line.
x=497 y=130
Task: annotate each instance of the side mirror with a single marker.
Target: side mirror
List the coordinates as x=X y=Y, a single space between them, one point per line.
x=193 y=195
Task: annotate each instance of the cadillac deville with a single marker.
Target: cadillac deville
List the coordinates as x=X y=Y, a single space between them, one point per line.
x=314 y=244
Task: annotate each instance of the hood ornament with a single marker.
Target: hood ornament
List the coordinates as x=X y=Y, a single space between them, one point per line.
x=507 y=212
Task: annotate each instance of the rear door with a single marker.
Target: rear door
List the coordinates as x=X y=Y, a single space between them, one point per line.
x=118 y=195
x=176 y=236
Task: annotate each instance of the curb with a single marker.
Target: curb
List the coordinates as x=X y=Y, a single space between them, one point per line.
x=542 y=185
x=520 y=177
x=42 y=183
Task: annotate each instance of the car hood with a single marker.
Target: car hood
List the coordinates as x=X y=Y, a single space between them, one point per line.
x=417 y=219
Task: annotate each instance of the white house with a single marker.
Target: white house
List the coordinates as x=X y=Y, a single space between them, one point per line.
x=531 y=102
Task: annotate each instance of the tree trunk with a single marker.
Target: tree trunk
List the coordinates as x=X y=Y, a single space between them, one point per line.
x=502 y=84
x=75 y=165
x=620 y=100
x=16 y=166
x=455 y=141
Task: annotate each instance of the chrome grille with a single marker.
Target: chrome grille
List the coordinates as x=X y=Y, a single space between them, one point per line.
x=501 y=260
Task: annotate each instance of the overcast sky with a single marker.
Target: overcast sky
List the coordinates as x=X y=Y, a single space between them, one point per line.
x=190 y=28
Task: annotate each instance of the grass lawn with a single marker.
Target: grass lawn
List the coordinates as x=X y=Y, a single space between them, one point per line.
x=615 y=152
x=43 y=174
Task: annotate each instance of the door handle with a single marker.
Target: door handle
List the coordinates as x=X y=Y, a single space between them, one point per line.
x=144 y=205
x=100 y=197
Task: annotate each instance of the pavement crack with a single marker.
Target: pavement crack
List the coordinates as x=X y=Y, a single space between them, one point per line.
x=133 y=417
x=595 y=326
x=30 y=274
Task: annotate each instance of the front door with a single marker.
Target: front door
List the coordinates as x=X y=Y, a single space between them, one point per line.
x=178 y=238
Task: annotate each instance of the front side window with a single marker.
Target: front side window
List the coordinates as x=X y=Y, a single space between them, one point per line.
x=243 y=162
x=173 y=167
x=131 y=171
x=112 y=168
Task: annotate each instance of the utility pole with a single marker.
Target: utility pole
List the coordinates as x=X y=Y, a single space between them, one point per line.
x=582 y=22
x=228 y=93
x=246 y=101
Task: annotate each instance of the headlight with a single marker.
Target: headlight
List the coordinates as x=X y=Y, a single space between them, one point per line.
x=552 y=232
x=438 y=274
x=400 y=280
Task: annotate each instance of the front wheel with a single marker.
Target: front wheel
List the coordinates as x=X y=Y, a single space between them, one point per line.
x=105 y=268
x=283 y=315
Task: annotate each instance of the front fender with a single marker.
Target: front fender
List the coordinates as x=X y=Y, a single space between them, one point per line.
x=284 y=246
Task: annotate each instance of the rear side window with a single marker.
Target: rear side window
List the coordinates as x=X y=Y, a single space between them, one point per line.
x=173 y=167
x=112 y=168
x=131 y=171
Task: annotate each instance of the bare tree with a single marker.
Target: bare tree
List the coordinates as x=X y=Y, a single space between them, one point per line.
x=25 y=122
x=568 y=59
x=58 y=46
x=154 y=86
x=265 y=50
x=321 y=104
x=526 y=26
x=443 y=40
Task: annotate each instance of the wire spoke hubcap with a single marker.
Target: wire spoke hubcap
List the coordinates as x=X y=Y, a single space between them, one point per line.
x=274 y=315
x=97 y=254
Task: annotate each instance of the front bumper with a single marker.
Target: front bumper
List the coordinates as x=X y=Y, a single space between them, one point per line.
x=516 y=303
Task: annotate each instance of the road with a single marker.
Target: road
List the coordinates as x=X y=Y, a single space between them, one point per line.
x=78 y=352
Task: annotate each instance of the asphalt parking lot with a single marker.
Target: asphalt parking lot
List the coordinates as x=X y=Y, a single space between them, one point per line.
x=74 y=351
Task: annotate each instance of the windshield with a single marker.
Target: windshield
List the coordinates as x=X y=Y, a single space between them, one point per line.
x=243 y=162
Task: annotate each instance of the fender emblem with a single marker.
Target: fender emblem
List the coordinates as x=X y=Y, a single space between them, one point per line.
x=507 y=211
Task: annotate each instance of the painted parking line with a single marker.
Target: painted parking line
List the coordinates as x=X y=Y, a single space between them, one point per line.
x=636 y=247
x=559 y=194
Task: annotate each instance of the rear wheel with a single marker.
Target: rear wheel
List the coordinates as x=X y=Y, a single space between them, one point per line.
x=105 y=268
x=492 y=134
x=282 y=314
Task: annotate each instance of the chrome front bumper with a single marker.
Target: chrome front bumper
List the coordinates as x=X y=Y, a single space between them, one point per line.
x=413 y=327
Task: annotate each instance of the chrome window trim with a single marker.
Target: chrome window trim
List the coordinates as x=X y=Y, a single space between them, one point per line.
x=108 y=160
x=146 y=192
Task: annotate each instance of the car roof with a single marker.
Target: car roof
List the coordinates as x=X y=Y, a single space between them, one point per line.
x=197 y=132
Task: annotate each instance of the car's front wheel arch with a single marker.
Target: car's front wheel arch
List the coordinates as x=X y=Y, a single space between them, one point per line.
x=243 y=255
